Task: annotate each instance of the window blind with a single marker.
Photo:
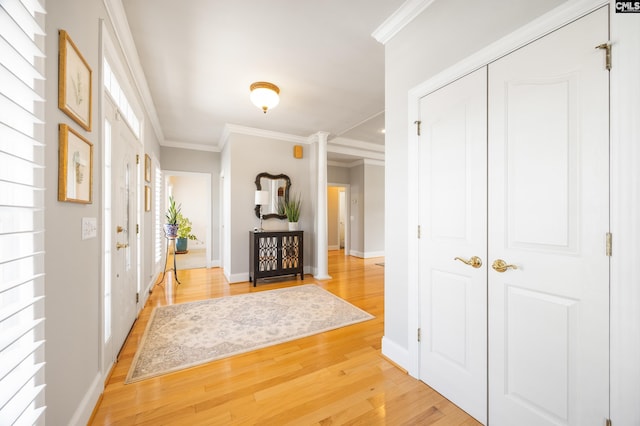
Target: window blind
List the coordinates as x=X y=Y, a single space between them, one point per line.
x=21 y=212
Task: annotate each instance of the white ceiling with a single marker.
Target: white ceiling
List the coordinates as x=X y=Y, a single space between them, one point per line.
x=200 y=56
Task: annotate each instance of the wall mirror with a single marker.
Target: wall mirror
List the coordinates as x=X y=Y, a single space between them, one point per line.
x=278 y=188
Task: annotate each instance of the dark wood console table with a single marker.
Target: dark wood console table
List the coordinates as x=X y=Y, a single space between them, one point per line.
x=275 y=253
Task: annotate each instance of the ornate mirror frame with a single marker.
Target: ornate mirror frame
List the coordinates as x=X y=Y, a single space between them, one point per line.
x=287 y=182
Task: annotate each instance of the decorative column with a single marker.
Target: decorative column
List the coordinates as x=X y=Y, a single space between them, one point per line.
x=322 y=243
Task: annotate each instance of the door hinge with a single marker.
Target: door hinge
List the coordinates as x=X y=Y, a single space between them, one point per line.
x=419 y=232
x=607 y=48
x=137 y=159
x=609 y=244
x=137 y=228
x=137 y=297
x=607 y=422
x=417 y=123
x=419 y=334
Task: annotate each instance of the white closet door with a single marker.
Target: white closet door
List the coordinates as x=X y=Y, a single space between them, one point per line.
x=548 y=216
x=453 y=214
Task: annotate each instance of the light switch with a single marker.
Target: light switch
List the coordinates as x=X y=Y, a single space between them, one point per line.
x=89 y=227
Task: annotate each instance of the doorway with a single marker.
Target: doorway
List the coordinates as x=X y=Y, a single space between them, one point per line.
x=337 y=217
x=192 y=190
x=121 y=212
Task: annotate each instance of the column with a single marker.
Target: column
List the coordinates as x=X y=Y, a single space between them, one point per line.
x=322 y=243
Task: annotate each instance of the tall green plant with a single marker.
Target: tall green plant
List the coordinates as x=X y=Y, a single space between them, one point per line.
x=292 y=208
x=184 y=228
x=172 y=212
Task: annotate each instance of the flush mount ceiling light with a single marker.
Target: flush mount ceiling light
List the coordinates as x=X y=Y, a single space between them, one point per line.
x=264 y=95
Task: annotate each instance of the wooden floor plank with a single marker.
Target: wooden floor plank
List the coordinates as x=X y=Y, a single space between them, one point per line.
x=333 y=378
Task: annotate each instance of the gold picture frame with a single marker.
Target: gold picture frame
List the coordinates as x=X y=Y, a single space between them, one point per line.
x=147 y=168
x=75 y=167
x=74 y=82
x=147 y=198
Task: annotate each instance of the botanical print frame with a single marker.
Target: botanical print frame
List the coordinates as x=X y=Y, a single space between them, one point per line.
x=75 y=167
x=74 y=82
x=147 y=198
x=147 y=168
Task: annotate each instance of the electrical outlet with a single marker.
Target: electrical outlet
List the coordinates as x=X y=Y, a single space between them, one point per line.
x=89 y=227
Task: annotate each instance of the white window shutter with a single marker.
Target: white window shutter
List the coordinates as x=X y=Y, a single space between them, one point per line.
x=21 y=212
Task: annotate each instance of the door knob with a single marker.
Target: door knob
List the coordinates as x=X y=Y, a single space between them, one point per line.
x=120 y=246
x=119 y=229
x=501 y=266
x=475 y=261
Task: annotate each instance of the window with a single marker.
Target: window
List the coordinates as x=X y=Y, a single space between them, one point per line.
x=21 y=212
x=158 y=212
x=114 y=89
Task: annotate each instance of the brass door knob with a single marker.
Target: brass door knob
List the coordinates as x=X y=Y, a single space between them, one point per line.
x=501 y=266
x=475 y=261
x=121 y=246
x=119 y=229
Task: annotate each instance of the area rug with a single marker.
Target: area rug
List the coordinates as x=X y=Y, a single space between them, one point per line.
x=190 y=334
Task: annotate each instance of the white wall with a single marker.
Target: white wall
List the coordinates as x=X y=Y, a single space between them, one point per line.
x=191 y=191
x=445 y=33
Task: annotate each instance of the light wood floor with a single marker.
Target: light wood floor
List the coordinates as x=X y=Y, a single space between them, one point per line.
x=334 y=378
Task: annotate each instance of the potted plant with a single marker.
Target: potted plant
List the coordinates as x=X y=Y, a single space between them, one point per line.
x=171 y=225
x=184 y=234
x=291 y=209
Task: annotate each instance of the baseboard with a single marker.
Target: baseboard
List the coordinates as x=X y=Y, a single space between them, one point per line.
x=366 y=255
x=213 y=263
x=84 y=411
x=237 y=278
x=396 y=354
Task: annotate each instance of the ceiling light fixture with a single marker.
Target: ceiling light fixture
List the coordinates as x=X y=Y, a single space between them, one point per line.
x=264 y=95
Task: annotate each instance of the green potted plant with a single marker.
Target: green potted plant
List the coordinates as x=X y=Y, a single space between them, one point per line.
x=291 y=208
x=184 y=234
x=171 y=225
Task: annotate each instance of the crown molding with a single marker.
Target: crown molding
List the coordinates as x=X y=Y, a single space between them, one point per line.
x=337 y=149
x=230 y=129
x=118 y=19
x=399 y=19
x=354 y=143
x=192 y=146
x=360 y=162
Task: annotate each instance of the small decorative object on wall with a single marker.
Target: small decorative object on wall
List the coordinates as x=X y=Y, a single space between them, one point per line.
x=75 y=167
x=147 y=168
x=147 y=198
x=297 y=151
x=74 y=82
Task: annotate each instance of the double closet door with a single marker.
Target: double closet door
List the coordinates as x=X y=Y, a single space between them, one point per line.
x=514 y=208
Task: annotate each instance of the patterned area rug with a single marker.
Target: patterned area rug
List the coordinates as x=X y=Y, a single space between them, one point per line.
x=190 y=334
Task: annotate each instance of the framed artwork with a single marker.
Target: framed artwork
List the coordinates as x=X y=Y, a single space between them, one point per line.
x=147 y=198
x=74 y=82
x=75 y=167
x=147 y=168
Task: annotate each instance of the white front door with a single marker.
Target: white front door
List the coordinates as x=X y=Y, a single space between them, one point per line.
x=548 y=217
x=124 y=202
x=453 y=214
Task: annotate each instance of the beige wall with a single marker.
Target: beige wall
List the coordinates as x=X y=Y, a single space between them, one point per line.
x=333 y=220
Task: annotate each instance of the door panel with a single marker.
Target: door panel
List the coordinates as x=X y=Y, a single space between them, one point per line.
x=548 y=216
x=453 y=202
